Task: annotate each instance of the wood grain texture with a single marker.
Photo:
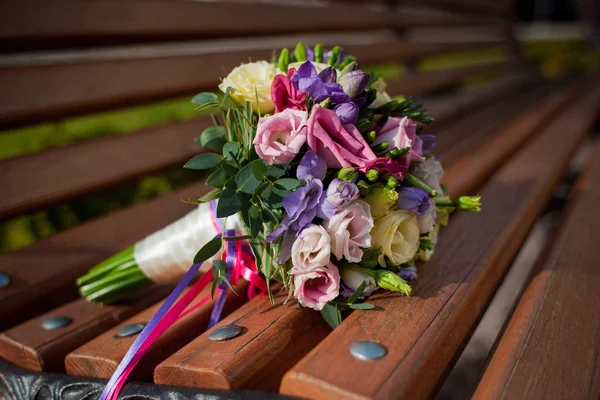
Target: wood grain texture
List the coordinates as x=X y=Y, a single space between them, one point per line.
x=56 y=175
x=47 y=270
x=429 y=81
x=425 y=332
x=551 y=347
x=91 y=82
x=101 y=356
x=274 y=338
x=30 y=346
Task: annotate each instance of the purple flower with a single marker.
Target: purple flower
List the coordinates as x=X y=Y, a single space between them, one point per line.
x=354 y=82
x=341 y=193
x=413 y=199
x=408 y=273
x=304 y=204
x=428 y=143
x=347 y=112
x=320 y=86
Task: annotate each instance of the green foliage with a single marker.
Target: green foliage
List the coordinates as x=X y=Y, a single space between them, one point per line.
x=332 y=315
x=204 y=161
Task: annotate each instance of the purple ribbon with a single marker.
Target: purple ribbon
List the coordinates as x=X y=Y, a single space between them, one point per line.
x=215 y=315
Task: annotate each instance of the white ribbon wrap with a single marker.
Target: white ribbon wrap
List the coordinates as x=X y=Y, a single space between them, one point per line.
x=166 y=255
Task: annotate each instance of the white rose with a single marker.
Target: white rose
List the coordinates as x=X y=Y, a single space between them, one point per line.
x=252 y=82
x=427 y=220
x=397 y=234
x=311 y=250
x=350 y=230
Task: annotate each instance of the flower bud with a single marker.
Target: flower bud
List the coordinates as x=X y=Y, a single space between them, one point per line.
x=348 y=174
x=468 y=203
x=370 y=136
x=348 y=64
x=353 y=276
x=372 y=175
x=390 y=281
x=300 y=52
x=381 y=199
x=284 y=60
x=380 y=147
x=413 y=199
x=333 y=57
x=363 y=188
x=354 y=83
x=319 y=52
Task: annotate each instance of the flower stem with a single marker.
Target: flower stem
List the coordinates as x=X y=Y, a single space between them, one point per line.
x=412 y=180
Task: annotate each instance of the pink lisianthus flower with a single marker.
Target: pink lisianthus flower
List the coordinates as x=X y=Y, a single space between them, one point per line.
x=341 y=146
x=279 y=137
x=350 y=230
x=396 y=166
x=316 y=288
x=285 y=95
x=401 y=133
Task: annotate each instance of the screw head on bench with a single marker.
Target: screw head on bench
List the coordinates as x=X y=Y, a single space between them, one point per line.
x=367 y=351
x=53 y=323
x=225 y=333
x=130 y=330
x=4 y=280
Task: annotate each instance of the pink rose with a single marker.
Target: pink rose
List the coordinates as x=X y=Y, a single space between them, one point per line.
x=316 y=288
x=285 y=95
x=350 y=230
x=401 y=133
x=280 y=136
x=341 y=146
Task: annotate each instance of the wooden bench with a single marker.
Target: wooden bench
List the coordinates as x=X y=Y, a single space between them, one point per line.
x=69 y=58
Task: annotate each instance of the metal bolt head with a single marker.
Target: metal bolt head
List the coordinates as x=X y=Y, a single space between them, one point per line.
x=4 y=280
x=367 y=351
x=130 y=330
x=54 y=323
x=225 y=333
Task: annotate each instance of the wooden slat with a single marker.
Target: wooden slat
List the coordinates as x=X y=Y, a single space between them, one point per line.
x=550 y=348
x=101 y=356
x=30 y=346
x=73 y=21
x=47 y=269
x=415 y=15
x=424 y=333
x=275 y=337
x=422 y=83
x=55 y=175
x=477 y=7
x=38 y=88
x=231 y=369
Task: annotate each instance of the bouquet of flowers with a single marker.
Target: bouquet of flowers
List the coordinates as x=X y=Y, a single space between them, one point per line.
x=321 y=182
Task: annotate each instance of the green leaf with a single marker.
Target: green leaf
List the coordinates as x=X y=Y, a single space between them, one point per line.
x=208 y=250
x=204 y=98
x=220 y=267
x=224 y=279
x=255 y=220
x=359 y=290
x=203 y=161
x=234 y=238
x=332 y=315
x=246 y=180
x=229 y=203
x=213 y=194
x=213 y=135
x=259 y=169
x=217 y=178
x=231 y=150
x=288 y=183
x=362 y=306
x=269 y=216
x=276 y=171
x=213 y=287
x=229 y=169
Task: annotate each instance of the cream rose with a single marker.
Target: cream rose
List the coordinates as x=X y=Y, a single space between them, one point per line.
x=252 y=82
x=397 y=234
x=311 y=250
x=349 y=230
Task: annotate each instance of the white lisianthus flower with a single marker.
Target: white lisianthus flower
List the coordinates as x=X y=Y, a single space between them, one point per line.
x=429 y=171
x=311 y=250
x=349 y=230
x=353 y=278
x=427 y=220
x=397 y=234
x=382 y=97
x=425 y=255
x=252 y=82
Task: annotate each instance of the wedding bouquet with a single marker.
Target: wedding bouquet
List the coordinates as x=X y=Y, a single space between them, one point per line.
x=321 y=182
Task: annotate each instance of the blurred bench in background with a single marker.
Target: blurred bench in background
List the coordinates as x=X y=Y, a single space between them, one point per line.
x=503 y=131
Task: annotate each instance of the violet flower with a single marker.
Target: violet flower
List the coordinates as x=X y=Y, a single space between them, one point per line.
x=354 y=82
x=408 y=273
x=341 y=193
x=413 y=199
x=319 y=86
x=304 y=204
x=428 y=143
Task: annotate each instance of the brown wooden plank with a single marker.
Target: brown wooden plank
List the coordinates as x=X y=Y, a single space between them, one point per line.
x=30 y=346
x=477 y=7
x=550 y=348
x=47 y=269
x=101 y=356
x=38 y=88
x=422 y=83
x=424 y=333
x=231 y=369
x=275 y=337
x=415 y=15
x=102 y=21
x=55 y=175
